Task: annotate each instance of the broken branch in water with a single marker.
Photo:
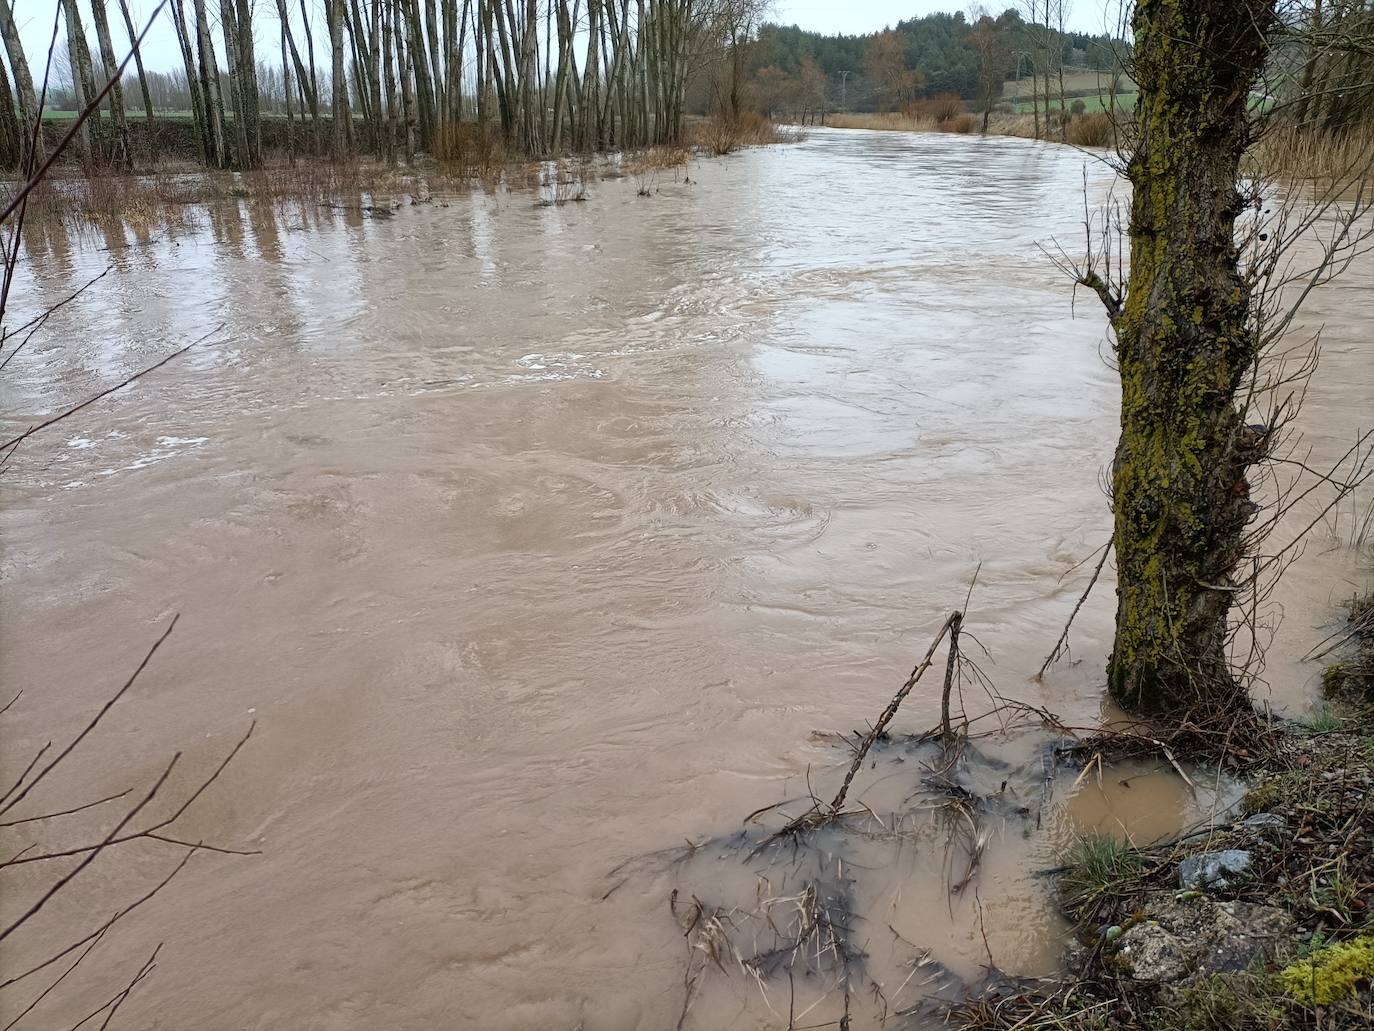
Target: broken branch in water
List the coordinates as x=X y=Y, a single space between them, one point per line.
x=946 y=734
x=953 y=622
x=14 y=442
x=1061 y=645
x=10 y=803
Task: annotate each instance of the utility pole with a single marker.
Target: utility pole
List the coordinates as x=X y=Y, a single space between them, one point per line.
x=1018 y=54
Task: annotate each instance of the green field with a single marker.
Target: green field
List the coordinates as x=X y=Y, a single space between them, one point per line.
x=1076 y=80
x=1124 y=102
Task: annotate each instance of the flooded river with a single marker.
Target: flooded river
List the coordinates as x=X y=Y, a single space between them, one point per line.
x=540 y=538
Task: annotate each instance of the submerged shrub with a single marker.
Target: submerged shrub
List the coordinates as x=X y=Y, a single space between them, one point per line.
x=1094 y=130
x=960 y=123
x=939 y=108
x=721 y=135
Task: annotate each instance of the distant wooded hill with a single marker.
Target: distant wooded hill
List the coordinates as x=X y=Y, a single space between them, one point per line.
x=934 y=54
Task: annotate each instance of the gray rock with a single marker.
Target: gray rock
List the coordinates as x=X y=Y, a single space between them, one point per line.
x=1154 y=953
x=1265 y=821
x=1211 y=868
x=1188 y=938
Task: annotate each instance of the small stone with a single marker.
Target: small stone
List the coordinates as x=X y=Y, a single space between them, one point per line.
x=1210 y=868
x=1265 y=821
x=1188 y=939
x=1113 y=933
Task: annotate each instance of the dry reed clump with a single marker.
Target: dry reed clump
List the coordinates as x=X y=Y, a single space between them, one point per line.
x=1022 y=126
x=963 y=124
x=892 y=122
x=464 y=150
x=1090 y=130
x=655 y=159
x=943 y=107
x=1285 y=151
x=721 y=136
x=960 y=122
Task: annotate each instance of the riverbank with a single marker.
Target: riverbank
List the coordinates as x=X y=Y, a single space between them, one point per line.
x=1282 y=151
x=177 y=181
x=1090 y=129
x=374 y=188
x=1259 y=924
x=432 y=472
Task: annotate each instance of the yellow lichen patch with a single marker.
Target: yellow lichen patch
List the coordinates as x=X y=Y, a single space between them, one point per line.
x=1332 y=973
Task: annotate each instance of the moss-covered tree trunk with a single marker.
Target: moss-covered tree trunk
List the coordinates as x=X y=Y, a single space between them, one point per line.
x=1184 y=345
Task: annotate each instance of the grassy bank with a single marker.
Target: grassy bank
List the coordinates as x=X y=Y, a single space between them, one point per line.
x=1085 y=130
x=1263 y=923
x=1281 y=152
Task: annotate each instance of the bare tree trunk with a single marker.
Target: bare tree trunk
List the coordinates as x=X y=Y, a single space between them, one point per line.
x=373 y=74
x=561 y=82
x=198 y=108
x=354 y=27
x=286 y=89
x=591 y=80
x=120 y=152
x=389 y=139
x=209 y=81
x=1184 y=345
x=305 y=79
x=436 y=66
x=87 y=142
x=11 y=147
x=142 y=78
x=1309 y=67
x=455 y=37
x=479 y=48
x=23 y=84
x=334 y=18
x=248 y=74
x=233 y=65
x=82 y=62
x=405 y=65
x=418 y=63
x=1059 y=65
x=314 y=94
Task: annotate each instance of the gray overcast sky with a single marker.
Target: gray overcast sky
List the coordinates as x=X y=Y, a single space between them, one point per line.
x=849 y=16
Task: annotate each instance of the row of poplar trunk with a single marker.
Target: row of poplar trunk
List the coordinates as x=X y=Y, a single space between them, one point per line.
x=401 y=75
x=1336 y=85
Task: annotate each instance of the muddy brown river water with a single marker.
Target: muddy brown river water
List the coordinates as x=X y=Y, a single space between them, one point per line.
x=540 y=538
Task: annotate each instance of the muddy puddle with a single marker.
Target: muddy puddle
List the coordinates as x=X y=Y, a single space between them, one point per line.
x=539 y=540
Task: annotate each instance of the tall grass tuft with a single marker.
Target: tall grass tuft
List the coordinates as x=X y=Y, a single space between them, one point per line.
x=721 y=135
x=1094 y=130
x=943 y=107
x=1100 y=865
x=1287 y=151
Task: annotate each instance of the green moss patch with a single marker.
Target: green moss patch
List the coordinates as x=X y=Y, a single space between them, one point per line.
x=1332 y=974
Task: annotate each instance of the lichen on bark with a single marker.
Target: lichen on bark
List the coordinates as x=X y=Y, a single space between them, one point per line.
x=1185 y=342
